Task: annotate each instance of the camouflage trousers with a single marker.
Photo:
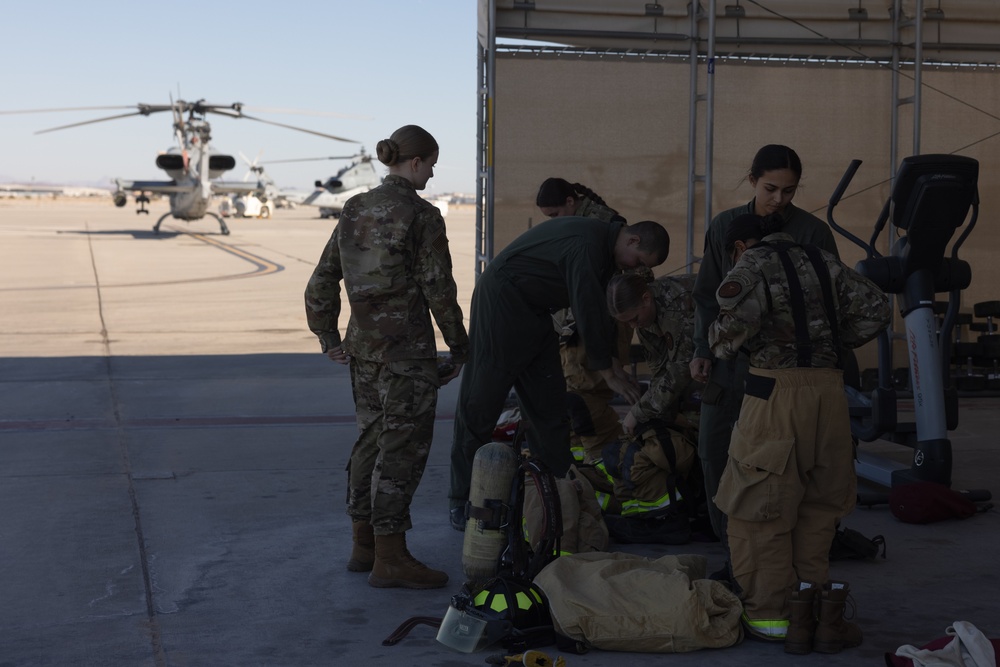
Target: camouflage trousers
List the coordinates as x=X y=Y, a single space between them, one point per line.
x=395 y=403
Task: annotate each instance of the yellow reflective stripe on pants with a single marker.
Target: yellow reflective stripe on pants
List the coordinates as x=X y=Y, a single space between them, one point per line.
x=769 y=629
x=603 y=499
x=639 y=506
x=599 y=465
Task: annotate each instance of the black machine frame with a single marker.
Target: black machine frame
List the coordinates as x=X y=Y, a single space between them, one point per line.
x=931 y=197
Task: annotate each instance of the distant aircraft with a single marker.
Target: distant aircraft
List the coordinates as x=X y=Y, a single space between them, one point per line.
x=194 y=167
x=331 y=195
x=278 y=197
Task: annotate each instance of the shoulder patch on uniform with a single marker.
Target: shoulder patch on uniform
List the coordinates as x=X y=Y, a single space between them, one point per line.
x=730 y=289
x=440 y=244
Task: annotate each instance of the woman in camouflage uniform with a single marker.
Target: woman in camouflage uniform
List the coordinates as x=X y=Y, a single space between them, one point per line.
x=391 y=252
x=663 y=424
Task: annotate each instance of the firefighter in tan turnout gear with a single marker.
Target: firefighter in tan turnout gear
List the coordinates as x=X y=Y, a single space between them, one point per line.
x=391 y=252
x=790 y=475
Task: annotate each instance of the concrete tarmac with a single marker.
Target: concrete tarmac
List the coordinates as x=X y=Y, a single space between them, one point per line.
x=172 y=452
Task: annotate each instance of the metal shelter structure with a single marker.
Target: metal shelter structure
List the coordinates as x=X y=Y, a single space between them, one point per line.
x=901 y=36
x=655 y=103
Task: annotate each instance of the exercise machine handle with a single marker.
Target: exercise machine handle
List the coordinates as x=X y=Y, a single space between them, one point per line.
x=845 y=180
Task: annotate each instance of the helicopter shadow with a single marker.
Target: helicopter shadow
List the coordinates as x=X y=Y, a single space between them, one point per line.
x=136 y=233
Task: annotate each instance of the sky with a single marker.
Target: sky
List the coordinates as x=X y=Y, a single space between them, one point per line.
x=377 y=65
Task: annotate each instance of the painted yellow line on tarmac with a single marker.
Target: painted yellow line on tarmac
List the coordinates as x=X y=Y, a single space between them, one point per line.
x=264 y=266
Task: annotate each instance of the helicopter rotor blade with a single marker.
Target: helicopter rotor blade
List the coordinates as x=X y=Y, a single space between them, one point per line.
x=141 y=112
x=66 y=109
x=289 y=127
x=306 y=112
x=313 y=159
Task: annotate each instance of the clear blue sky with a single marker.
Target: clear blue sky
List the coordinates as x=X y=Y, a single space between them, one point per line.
x=387 y=63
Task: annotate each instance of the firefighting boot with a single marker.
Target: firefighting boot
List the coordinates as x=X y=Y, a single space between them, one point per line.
x=834 y=633
x=395 y=567
x=363 y=553
x=802 y=621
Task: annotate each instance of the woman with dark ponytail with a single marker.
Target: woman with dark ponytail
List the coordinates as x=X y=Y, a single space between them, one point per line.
x=558 y=198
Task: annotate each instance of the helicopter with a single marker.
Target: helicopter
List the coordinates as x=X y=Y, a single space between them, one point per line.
x=192 y=165
x=331 y=195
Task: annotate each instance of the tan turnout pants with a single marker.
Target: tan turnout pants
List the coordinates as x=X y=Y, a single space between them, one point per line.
x=789 y=479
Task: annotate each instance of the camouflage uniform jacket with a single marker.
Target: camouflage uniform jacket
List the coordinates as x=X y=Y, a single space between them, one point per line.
x=756 y=308
x=591 y=209
x=669 y=343
x=391 y=251
x=803 y=227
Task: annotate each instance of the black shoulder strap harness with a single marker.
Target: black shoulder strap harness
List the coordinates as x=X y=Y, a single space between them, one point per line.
x=803 y=343
x=518 y=560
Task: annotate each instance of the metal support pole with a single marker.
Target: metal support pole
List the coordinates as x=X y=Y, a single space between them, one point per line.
x=692 y=179
x=485 y=187
x=918 y=69
x=480 y=157
x=710 y=113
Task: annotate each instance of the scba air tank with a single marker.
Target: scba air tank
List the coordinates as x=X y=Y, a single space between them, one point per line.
x=493 y=470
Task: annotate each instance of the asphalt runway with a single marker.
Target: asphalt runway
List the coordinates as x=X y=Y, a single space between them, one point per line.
x=172 y=451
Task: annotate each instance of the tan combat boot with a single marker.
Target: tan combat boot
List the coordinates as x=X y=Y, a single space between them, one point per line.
x=802 y=621
x=395 y=567
x=363 y=553
x=834 y=633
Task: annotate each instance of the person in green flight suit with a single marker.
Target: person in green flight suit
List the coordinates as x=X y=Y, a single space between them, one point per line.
x=563 y=262
x=593 y=421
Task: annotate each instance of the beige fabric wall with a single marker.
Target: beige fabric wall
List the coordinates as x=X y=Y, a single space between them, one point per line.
x=620 y=126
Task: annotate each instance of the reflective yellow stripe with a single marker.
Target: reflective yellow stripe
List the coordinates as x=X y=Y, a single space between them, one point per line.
x=768 y=628
x=603 y=499
x=639 y=506
x=599 y=465
x=579 y=453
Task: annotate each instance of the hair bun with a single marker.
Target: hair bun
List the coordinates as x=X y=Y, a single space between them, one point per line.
x=387 y=151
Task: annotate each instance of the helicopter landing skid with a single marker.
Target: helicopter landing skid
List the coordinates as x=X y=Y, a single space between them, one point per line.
x=222 y=223
x=156 y=227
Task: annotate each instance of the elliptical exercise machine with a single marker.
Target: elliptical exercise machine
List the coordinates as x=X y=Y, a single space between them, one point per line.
x=930 y=199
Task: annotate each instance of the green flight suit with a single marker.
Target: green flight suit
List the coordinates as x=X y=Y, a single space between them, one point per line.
x=561 y=263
